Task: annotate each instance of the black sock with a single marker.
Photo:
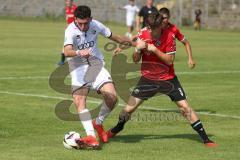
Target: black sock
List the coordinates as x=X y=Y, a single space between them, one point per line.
x=62 y=57
x=123 y=118
x=118 y=127
x=198 y=127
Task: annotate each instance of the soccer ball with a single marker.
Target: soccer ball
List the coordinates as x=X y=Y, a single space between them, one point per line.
x=69 y=140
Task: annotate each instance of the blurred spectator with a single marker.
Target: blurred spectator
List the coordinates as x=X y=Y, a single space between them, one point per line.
x=197 y=22
x=144 y=12
x=69 y=13
x=131 y=10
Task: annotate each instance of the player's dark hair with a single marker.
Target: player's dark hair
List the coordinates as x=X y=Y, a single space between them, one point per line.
x=82 y=12
x=154 y=20
x=164 y=10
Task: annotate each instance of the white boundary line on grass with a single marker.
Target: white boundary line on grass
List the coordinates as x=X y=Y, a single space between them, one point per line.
x=97 y=102
x=178 y=73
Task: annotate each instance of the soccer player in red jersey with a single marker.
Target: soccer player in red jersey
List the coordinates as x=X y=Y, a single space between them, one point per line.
x=69 y=13
x=171 y=28
x=158 y=76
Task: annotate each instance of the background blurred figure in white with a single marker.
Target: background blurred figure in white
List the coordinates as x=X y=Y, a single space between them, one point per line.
x=131 y=12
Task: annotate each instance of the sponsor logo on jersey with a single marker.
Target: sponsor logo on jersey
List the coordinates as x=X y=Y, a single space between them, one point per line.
x=86 y=45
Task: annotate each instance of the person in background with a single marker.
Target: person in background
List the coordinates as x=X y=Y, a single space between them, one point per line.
x=69 y=14
x=131 y=11
x=197 y=22
x=144 y=12
x=171 y=28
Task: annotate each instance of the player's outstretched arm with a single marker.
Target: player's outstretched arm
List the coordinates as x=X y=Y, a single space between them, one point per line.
x=191 y=63
x=122 y=40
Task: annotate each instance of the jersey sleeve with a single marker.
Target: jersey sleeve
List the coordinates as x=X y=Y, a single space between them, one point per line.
x=125 y=7
x=68 y=38
x=105 y=31
x=179 y=35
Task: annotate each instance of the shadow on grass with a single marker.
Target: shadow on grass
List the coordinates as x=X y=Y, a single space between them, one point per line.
x=138 y=137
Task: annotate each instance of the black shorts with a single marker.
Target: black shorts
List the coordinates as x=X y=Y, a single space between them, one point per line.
x=147 y=88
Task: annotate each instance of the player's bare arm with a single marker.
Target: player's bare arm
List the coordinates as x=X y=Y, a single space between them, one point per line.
x=191 y=62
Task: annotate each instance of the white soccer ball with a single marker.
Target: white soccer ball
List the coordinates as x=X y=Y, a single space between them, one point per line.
x=69 y=140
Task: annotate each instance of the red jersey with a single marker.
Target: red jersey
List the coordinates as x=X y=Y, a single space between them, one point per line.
x=152 y=67
x=69 y=11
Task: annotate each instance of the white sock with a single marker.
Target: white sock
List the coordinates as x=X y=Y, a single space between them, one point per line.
x=86 y=120
x=104 y=112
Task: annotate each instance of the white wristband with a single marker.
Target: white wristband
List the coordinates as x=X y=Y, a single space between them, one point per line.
x=78 y=52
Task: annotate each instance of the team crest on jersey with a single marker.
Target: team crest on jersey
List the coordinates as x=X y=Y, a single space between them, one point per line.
x=94 y=31
x=78 y=37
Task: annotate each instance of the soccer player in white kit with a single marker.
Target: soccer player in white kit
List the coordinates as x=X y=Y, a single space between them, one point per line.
x=87 y=71
x=131 y=11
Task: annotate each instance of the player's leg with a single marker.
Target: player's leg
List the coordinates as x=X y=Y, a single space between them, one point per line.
x=195 y=122
x=125 y=115
x=79 y=98
x=179 y=97
x=104 y=85
x=110 y=99
x=129 y=23
x=144 y=90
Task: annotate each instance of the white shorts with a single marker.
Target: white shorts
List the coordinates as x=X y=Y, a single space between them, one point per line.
x=130 y=22
x=92 y=77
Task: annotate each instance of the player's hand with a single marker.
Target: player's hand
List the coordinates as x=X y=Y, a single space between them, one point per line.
x=117 y=51
x=191 y=64
x=85 y=53
x=141 y=44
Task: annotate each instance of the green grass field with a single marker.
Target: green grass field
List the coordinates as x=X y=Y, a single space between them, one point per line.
x=30 y=130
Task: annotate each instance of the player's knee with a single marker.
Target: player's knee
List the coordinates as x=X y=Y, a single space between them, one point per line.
x=111 y=100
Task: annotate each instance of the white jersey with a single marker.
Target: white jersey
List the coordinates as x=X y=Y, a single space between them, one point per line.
x=83 y=40
x=131 y=11
x=89 y=72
